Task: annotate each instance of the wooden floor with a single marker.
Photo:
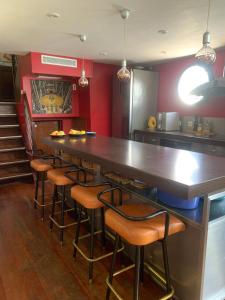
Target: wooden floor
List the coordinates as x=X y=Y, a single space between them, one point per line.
x=33 y=265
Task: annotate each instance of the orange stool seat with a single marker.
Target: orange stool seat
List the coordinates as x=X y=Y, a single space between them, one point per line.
x=87 y=196
x=140 y=233
x=57 y=176
x=40 y=165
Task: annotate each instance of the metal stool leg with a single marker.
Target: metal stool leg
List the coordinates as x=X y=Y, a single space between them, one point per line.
x=91 y=243
x=77 y=234
x=75 y=210
x=103 y=225
x=137 y=272
x=166 y=265
x=42 y=195
x=116 y=246
x=62 y=213
x=142 y=265
x=36 y=189
x=54 y=198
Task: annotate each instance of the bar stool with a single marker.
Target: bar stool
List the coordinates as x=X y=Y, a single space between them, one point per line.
x=86 y=197
x=140 y=225
x=41 y=166
x=60 y=181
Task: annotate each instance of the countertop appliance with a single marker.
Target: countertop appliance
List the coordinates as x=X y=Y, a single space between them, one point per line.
x=168 y=121
x=133 y=102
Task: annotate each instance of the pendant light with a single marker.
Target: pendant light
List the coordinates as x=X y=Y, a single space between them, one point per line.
x=124 y=74
x=206 y=54
x=83 y=81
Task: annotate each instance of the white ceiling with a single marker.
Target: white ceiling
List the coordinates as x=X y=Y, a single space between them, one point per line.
x=25 y=27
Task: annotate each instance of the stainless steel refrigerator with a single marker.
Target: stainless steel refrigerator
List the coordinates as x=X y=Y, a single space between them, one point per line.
x=133 y=102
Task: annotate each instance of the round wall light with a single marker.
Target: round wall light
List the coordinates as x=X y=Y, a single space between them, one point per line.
x=189 y=80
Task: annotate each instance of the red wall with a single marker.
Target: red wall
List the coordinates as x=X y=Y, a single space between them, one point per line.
x=92 y=103
x=101 y=98
x=168 y=99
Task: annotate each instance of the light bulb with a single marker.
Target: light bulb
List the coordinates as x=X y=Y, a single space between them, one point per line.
x=123 y=74
x=83 y=81
x=206 y=54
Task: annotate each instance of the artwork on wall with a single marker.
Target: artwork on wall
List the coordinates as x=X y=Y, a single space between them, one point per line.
x=51 y=96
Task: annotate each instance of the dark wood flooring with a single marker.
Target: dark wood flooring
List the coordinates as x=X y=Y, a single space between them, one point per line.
x=34 y=266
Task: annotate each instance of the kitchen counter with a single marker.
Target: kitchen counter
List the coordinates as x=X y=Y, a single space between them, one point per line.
x=185 y=174
x=197 y=254
x=215 y=139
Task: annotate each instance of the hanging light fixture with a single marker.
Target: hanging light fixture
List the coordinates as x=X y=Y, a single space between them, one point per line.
x=124 y=74
x=83 y=81
x=206 y=54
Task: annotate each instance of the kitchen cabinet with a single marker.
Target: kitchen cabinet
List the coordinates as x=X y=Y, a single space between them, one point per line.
x=181 y=141
x=151 y=139
x=208 y=149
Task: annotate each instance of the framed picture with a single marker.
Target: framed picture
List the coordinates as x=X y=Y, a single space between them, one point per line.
x=51 y=96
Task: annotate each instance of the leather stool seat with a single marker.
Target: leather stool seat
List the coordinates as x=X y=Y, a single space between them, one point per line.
x=141 y=233
x=57 y=176
x=87 y=196
x=40 y=165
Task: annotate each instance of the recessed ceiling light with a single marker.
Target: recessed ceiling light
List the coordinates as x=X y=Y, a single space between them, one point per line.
x=53 y=15
x=162 y=31
x=103 y=53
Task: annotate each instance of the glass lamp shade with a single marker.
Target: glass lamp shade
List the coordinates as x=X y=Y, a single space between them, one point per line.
x=83 y=81
x=123 y=74
x=206 y=54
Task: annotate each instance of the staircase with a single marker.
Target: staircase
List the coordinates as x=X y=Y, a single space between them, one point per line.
x=14 y=164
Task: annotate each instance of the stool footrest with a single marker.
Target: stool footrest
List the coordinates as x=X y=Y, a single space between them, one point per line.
x=44 y=205
x=158 y=279
x=67 y=225
x=99 y=257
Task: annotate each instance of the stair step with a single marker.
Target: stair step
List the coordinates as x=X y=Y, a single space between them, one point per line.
x=7 y=130
x=7 y=115
x=7 y=102
x=12 y=149
x=7 y=108
x=11 y=137
x=9 y=126
x=16 y=176
x=16 y=162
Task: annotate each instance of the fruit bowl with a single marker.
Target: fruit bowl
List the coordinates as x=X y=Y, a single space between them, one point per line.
x=76 y=133
x=57 y=134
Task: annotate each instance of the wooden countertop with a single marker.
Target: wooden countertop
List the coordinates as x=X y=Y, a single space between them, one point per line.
x=183 y=173
x=218 y=140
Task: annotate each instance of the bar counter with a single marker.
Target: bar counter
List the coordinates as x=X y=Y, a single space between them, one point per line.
x=197 y=255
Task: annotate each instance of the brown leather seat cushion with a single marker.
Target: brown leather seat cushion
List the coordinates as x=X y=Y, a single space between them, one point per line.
x=40 y=165
x=87 y=196
x=141 y=233
x=57 y=176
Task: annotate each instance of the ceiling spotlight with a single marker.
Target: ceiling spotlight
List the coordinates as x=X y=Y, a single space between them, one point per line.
x=103 y=53
x=162 y=31
x=53 y=15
